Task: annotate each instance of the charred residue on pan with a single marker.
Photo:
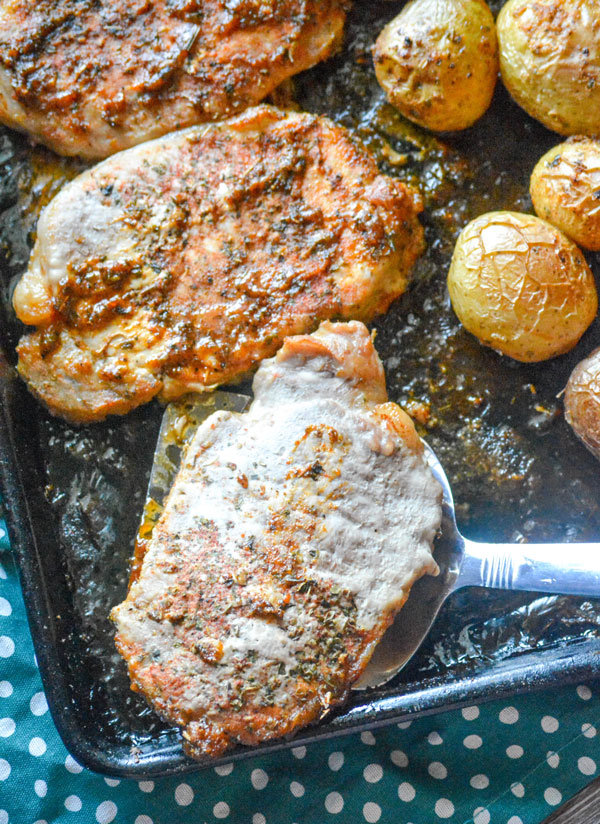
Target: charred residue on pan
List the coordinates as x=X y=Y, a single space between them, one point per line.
x=516 y=470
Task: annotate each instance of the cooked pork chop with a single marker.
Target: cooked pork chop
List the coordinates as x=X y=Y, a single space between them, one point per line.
x=178 y=265
x=92 y=77
x=291 y=537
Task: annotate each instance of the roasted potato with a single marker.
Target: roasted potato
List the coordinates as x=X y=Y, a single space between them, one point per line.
x=521 y=286
x=565 y=189
x=582 y=402
x=550 y=61
x=437 y=62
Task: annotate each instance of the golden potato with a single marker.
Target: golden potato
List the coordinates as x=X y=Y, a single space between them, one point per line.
x=565 y=189
x=582 y=402
x=437 y=62
x=550 y=61
x=521 y=286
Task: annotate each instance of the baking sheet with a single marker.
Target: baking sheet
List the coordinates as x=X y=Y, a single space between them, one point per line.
x=75 y=495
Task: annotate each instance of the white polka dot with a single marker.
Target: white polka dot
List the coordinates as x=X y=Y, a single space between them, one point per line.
x=184 y=795
x=404 y=725
x=6 y=689
x=371 y=812
x=406 y=791
x=258 y=818
x=444 y=808
x=435 y=738
x=515 y=751
x=514 y=819
x=7 y=646
x=509 y=715
x=3 y=575
x=552 y=759
x=106 y=812
x=437 y=770
x=552 y=796
x=4 y=769
x=38 y=704
x=7 y=727
x=73 y=803
x=481 y=816
x=549 y=724
x=41 y=788
x=586 y=765
x=259 y=779
x=221 y=809
x=479 y=781
x=373 y=773
x=5 y=608
x=299 y=752
x=473 y=742
x=72 y=766
x=143 y=819
x=336 y=761
x=588 y=730
x=517 y=789
x=584 y=692
x=296 y=789
x=37 y=747
x=367 y=738
x=112 y=782
x=224 y=769
x=146 y=786
x=4 y=817
x=470 y=713
x=334 y=803
x=399 y=758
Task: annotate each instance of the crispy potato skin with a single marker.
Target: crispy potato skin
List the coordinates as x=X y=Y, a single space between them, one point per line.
x=521 y=286
x=437 y=61
x=550 y=61
x=582 y=402
x=565 y=189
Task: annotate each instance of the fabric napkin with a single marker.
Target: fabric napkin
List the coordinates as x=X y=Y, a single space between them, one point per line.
x=507 y=762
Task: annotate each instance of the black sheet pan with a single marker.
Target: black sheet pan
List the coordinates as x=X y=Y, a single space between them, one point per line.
x=73 y=497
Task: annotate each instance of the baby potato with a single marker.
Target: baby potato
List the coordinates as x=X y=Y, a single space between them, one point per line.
x=521 y=286
x=565 y=189
x=550 y=61
x=437 y=62
x=582 y=402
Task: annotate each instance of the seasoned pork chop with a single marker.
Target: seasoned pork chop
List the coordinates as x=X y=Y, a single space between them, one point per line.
x=291 y=537
x=178 y=265
x=92 y=77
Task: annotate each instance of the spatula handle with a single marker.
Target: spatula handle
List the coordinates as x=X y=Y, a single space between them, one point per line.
x=567 y=569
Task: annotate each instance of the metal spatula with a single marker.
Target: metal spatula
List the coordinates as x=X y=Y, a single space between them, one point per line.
x=567 y=569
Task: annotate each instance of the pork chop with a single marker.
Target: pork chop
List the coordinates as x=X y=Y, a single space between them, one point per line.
x=290 y=539
x=92 y=77
x=179 y=264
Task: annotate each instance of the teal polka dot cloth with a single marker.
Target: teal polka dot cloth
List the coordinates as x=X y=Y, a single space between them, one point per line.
x=509 y=762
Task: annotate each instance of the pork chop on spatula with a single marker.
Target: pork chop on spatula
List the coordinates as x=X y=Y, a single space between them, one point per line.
x=290 y=539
